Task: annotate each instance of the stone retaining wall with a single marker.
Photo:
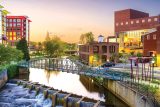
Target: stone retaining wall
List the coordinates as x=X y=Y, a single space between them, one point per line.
x=128 y=95
x=3 y=78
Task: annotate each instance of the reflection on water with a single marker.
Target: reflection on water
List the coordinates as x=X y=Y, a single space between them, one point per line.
x=73 y=83
x=63 y=81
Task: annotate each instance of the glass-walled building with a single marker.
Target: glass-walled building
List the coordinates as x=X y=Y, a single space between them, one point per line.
x=130 y=25
x=132 y=40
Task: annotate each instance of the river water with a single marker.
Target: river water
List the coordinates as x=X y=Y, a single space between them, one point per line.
x=74 y=83
x=12 y=95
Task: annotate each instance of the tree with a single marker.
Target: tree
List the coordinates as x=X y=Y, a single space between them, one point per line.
x=8 y=54
x=114 y=57
x=39 y=48
x=139 y=54
x=22 y=45
x=87 y=38
x=124 y=57
x=132 y=53
x=53 y=47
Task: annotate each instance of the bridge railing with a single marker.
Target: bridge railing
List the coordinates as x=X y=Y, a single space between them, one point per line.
x=72 y=66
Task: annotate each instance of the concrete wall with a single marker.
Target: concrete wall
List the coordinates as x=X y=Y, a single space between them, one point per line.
x=128 y=95
x=3 y=78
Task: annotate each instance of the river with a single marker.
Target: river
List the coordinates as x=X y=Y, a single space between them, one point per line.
x=74 y=83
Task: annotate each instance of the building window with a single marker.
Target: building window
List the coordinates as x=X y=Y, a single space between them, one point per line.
x=126 y=23
x=10 y=20
x=154 y=37
x=155 y=19
x=18 y=33
x=121 y=23
x=112 y=49
x=18 y=29
x=143 y=21
x=95 y=48
x=117 y=24
x=10 y=25
x=18 y=24
x=104 y=49
x=149 y=20
x=14 y=20
x=137 y=21
x=18 y=20
x=14 y=24
x=132 y=22
x=148 y=37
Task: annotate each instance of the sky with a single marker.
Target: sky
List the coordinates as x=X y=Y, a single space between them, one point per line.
x=68 y=19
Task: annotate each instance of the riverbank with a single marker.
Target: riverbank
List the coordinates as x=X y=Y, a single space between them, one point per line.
x=3 y=78
x=149 y=88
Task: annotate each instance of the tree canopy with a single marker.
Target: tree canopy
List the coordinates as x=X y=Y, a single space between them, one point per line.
x=22 y=45
x=53 y=47
x=87 y=38
x=8 y=54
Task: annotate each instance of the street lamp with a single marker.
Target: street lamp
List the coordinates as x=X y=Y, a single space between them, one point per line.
x=152 y=62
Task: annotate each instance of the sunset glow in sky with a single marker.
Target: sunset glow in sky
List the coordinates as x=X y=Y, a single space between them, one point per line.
x=70 y=18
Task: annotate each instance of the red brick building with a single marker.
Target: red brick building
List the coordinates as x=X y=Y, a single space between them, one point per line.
x=151 y=44
x=17 y=28
x=97 y=53
x=130 y=25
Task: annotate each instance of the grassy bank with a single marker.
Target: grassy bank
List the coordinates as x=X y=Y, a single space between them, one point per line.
x=12 y=70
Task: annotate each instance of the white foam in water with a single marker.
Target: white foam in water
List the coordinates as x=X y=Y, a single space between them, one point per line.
x=41 y=102
x=39 y=98
x=47 y=103
x=17 y=96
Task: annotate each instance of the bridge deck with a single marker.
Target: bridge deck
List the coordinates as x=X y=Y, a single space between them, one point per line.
x=66 y=65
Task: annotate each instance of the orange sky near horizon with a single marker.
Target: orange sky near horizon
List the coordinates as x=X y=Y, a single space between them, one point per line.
x=68 y=20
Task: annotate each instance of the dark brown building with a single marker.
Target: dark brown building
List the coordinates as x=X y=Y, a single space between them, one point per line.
x=130 y=25
x=97 y=53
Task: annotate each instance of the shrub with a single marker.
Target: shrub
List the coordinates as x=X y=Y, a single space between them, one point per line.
x=12 y=71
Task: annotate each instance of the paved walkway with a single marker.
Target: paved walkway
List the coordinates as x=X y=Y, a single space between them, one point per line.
x=127 y=67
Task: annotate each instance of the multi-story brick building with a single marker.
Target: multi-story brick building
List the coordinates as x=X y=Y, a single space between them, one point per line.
x=130 y=25
x=151 y=44
x=3 y=14
x=98 y=52
x=17 y=28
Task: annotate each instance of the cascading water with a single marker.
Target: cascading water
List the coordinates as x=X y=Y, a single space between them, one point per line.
x=12 y=95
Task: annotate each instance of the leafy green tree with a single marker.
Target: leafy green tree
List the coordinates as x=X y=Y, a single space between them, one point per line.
x=22 y=45
x=114 y=57
x=40 y=46
x=124 y=57
x=8 y=54
x=87 y=38
x=132 y=53
x=53 y=47
x=120 y=55
x=70 y=46
x=139 y=54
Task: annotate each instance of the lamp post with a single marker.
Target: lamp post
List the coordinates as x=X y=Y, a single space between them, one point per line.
x=153 y=61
